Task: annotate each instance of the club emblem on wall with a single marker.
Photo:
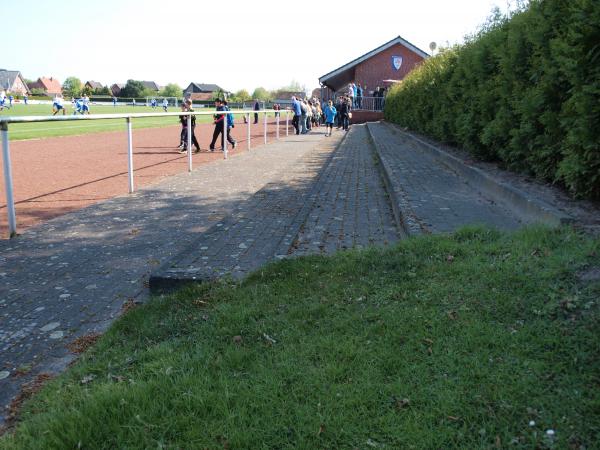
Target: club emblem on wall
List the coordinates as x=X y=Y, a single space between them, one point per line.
x=396 y=62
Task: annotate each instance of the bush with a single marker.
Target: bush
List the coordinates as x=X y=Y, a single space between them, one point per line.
x=524 y=91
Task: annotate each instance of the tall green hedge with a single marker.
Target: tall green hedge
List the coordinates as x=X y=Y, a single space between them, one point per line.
x=524 y=91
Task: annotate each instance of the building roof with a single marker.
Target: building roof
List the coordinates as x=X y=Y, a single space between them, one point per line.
x=7 y=78
x=151 y=85
x=94 y=84
x=119 y=85
x=360 y=59
x=50 y=85
x=206 y=87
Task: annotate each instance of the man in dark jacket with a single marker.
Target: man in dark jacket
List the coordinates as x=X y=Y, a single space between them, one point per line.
x=256 y=108
x=218 y=121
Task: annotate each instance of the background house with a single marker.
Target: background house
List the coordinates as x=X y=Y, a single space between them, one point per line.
x=115 y=89
x=201 y=91
x=50 y=86
x=151 y=85
x=12 y=81
x=93 y=85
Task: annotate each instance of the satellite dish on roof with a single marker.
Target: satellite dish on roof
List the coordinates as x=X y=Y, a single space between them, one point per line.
x=432 y=46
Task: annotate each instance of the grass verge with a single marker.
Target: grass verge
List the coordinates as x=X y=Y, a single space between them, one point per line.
x=475 y=340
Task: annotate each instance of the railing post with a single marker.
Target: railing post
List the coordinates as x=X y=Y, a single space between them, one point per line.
x=277 y=124
x=287 y=127
x=130 y=155
x=189 y=141
x=225 y=135
x=8 y=183
x=248 y=122
x=265 y=128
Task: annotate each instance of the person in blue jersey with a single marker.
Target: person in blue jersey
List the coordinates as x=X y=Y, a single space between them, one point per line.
x=114 y=100
x=329 y=112
x=85 y=104
x=25 y=98
x=153 y=103
x=57 y=105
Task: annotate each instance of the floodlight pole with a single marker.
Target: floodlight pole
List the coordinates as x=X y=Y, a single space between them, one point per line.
x=8 y=183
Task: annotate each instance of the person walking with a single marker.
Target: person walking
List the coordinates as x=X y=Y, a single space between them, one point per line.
x=218 y=121
x=187 y=107
x=256 y=108
x=329 y=112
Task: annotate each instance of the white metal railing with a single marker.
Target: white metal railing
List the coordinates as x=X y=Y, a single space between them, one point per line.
x=367 y=103
x=5 y=121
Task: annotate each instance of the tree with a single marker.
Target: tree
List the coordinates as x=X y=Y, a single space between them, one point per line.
x=72 y=87
x=102 y=91
x=241 y=96
x=134 y=89
x=260 y=93
x=171 y=90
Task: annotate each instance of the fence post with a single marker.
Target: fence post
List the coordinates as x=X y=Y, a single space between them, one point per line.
x=248 y=122
x=224 y=135
x=8 y=182
x=277 y=124
x=189 y=141
x=287 y=127
x=265 y=127
x=130 y=155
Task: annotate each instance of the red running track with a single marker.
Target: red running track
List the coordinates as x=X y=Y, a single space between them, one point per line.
x=54 y=176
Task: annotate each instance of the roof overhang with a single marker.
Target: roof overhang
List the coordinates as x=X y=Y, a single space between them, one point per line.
x=345 y=74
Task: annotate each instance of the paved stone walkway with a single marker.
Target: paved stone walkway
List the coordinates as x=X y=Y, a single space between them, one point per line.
x=330 y=200
x=431 y=197
x=350 y=207
x=72 y=275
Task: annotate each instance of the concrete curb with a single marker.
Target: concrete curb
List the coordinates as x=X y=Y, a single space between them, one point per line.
x=407 y=226
x=525 y=207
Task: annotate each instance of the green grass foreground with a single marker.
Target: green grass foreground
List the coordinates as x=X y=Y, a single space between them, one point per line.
x=21 y=131
x=440 y=342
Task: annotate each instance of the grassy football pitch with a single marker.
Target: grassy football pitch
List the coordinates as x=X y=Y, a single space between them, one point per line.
x=21 y=131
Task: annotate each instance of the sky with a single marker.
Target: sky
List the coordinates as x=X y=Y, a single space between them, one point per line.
x=235 y=44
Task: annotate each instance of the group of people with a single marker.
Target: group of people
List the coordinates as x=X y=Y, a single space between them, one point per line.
x=309 y=113
x=221 y=129
x=165 y=104
x=10 y=98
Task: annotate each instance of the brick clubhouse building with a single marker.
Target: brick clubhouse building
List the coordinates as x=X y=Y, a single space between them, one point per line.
x=379 y=68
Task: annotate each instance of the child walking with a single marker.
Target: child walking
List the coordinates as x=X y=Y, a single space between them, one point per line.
x=330 y=113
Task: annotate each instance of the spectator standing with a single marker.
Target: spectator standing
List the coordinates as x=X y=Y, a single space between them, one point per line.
x=359 y=95
x=345 y=110
x=351 y=92
x=25 y=98
x=329 y=112
x=114 y=102
x=256 y=108
x=297 y=114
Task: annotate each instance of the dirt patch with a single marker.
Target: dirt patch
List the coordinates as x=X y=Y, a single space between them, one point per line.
x=82 y=343
x=27 y=391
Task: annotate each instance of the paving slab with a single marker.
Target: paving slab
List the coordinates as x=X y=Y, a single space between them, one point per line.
x=71 y=276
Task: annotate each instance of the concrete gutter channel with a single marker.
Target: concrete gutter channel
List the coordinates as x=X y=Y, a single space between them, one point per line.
x=169 y=277
x=528 y=209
